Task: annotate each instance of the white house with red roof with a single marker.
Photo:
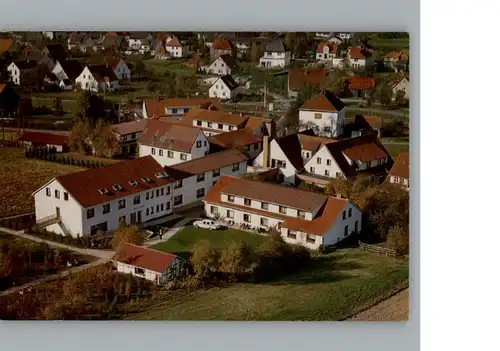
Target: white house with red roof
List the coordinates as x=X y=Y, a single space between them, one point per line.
x=157 y=266
x=170 y=143
x=360 y=58
x=302 y=217
x=98 y=78
x=400 y=171
x=58 y=141
x=326 y=51
x=324 y=113
x=174 y=48
x=401 y=84
x=120 y=67
x=98 y=199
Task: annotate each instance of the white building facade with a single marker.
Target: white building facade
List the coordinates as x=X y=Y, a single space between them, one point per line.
x=86 y=81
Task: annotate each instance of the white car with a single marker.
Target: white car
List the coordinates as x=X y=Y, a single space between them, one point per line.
x=207 y=224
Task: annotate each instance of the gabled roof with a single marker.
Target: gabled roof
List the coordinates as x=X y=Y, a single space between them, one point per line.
x=290 y=145
x=234 y=139
x=276 y=46
x=364 y=148
x=102 y=73
x=169 y=135
x=358 y=53
x=205 y=164
x=325 y=101
x=401 y=167
x=174 y=41
x=312 y=142
x=130 y=127
x=156 y=107
x=228 y=60
x=221 y=44
x=112 y=41
x=213 y=116
x=44 y=138
x=22 y=65
x=72 y=68
x=396 y=81
x=300 y=77
x=332 y=48
x=397 y=55
x=368 y=122
x=144 y=257
x=84 y=186
x=228 y=81
x=56 y=51
x=276 y=194
x=359 y=83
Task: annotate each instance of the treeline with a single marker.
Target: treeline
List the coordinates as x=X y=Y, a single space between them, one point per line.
x=49 y=154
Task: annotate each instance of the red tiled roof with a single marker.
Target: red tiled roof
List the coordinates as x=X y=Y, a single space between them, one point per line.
x=358 y=53
x=319 y=225
x=213 y=116
x=130 y=127
x=365 y=152
x=207 y=163
x=44 y=138
x=156 y=107
x=361 y=83
x=143 y=257
x=367 y=121
x=332 y=48
x=397 y=55
x=401 y=167
x=235 y=139
x=325 y=101
x=222 y=44
x=300 y=77
x=169 y=135
x=174 y=41
x=84 y=186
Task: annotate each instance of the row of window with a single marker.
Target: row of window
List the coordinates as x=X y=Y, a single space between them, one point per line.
x=57 y=194
x=210 y=125
x=159 y=208
x=326 y=173
x=122 y=203
x=247 y=218
x=265 y=206
x=292 y=234
x=170 y=154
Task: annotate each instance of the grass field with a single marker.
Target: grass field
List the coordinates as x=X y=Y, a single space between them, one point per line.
x=395 y=149
x=332 y=287
x=21 y=176
x=182 y=243
x=161 y=66
x=386 y=45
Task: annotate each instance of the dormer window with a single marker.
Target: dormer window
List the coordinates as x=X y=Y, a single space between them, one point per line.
x=301 y=214
x=117 y=187
x=161 y=175
x=103 y=191
x=146 y=179
x=133 y=183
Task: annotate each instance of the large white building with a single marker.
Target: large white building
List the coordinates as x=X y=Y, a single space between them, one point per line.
x=302 y=217
x=224 y=88
x=276 y=55
x=85 y=202
x=222 y=65
x=170 y=143
x=324 y=113
x=175 y=49
x=97 y=78
x=195 y=178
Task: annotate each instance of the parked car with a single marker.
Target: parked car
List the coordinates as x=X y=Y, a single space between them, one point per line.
x=208 y=224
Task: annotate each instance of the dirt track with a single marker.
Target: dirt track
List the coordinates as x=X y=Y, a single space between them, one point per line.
x=394 y=308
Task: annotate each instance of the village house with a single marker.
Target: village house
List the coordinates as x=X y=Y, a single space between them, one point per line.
x=360 y=87
x=175 y=49
x=223 y=65
x=170 y=143
x=364 y=124
x=298 y=78
x=216 y=122
x=347 y=158
x=220 y=47
x=55 y=51
x=224 y=88
x=67 y=71
x=97 y=78
x=276 y=55
x=99 y=199
x=242 y=139
x=400 y=171
x=114 y=41
x=324 y=113
x=289 y=154
x=47 y=140
x=119 y=67
x=143 y=262
x=402 y=84
x=326 y=51
x=22 y=72
x=84 y=42
x=360 y=58
x=137 y=41
x=396 y=60
x=129 y=134
x=195 y=178
x=302 y=217
x=176 y=108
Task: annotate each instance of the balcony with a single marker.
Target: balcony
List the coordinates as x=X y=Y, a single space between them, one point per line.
x=48 y=220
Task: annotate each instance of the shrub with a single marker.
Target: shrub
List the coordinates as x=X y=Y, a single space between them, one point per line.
x=204 y=259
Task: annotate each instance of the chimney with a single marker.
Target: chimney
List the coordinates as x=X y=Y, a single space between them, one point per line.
x=265 y=149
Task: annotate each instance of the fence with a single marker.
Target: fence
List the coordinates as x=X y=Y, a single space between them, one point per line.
x=377 y=249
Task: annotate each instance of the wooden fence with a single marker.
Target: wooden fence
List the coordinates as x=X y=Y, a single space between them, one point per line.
x=377 y=249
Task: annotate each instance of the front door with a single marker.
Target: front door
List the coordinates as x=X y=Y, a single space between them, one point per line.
x=133 y=218
x=139 y=216
x=58 y=212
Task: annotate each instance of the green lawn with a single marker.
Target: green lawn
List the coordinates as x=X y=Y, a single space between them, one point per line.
x=387 y=45
x=162 y=66
x=183 y=242
x=331 y=287
x=395 y=149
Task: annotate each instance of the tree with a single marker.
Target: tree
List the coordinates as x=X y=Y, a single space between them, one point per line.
x=127 y=234
x=79 y=137
x=91 y=107
x=401 y=99
x=104 y=140
x=140 y=69
x=57 y=107
x=204 y=259
x=385 y=94
x=256 y=52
